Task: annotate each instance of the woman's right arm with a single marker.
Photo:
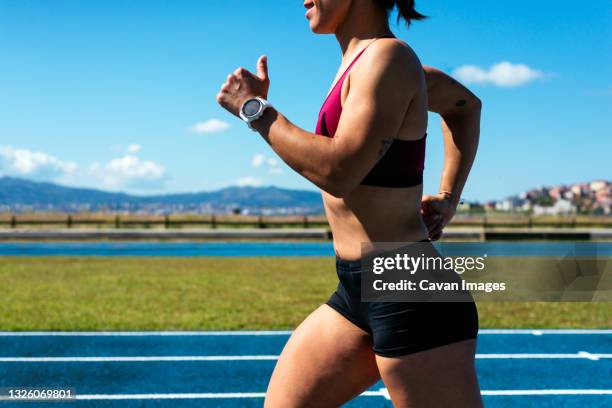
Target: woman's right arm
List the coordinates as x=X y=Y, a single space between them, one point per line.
x=372 y=114
x=460 y=112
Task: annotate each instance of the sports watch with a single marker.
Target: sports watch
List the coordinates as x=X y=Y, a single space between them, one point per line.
x=252 y=109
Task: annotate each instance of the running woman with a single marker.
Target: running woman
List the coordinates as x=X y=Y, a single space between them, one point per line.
x=367 y=156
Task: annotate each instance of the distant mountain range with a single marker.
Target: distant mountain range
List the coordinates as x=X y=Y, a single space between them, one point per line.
x=24 y=195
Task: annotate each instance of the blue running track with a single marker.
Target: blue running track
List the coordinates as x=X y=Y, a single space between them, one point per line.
x=517 y=368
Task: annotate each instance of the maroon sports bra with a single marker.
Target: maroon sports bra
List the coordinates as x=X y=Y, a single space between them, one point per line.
x=403 y=163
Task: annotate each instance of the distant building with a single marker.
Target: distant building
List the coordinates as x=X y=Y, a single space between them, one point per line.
x=510 y=204
x=489 y=205
x=560 y=207
x=598 y=185
x=576 y=189
x=557 y=192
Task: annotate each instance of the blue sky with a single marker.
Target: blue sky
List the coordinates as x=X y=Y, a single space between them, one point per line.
x=110 y=94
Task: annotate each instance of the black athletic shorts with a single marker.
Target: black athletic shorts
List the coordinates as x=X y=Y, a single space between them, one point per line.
x=400 y=328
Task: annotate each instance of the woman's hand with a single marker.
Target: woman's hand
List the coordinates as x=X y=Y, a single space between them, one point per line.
x=242 y=85
x=437 y=211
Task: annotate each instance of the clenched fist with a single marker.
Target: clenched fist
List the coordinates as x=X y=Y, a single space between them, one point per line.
x=437 y=211
x=242 y=85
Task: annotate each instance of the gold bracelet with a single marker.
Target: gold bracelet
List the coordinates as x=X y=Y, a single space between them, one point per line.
x=449 y=195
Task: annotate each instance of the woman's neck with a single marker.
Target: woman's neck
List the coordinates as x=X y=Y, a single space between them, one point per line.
x=364 y=21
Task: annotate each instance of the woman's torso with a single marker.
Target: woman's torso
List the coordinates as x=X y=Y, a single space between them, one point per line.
x=381 y=214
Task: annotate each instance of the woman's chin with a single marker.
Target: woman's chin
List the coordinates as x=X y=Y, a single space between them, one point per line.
x=318 y=28
x=313 y=26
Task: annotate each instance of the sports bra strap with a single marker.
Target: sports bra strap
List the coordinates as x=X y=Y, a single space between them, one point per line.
x=346 y=71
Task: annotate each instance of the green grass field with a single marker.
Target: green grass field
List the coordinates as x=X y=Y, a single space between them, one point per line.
x=63 y=293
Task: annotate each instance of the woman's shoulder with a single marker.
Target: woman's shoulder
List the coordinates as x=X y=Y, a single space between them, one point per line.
x=391 y=56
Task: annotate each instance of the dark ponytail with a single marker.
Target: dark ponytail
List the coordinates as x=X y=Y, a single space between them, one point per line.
x=405 y=9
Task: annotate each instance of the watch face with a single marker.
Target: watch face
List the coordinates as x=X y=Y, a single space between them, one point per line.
x=251 y=107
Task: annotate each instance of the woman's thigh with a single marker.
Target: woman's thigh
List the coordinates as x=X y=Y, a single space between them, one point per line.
x=326 y=362
x=441 y=377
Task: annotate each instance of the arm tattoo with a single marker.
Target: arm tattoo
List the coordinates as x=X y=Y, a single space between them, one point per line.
x=385 y=145
x=460 y=102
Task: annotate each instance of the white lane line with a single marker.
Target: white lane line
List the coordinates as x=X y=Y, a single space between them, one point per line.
x=370 y=393
x=590 y=356
x=149 y=333
x=535 y=332
x=540 y=332
x=204 y=395
x=545 y=392
x=105 y=359
x=580 y=354
x=132 y=359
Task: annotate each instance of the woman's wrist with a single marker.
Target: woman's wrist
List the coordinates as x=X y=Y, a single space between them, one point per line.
x=451 y=196
x=263 y=124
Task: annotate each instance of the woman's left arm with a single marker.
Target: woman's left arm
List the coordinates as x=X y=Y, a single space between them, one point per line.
x=460 y=112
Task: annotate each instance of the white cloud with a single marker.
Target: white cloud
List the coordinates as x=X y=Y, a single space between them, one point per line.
x=38 y=165
x=134 y=148
x=209 y=126
x=249 y=181
x=502 y=74
x=129 y=171
x=272 y=164
x=258 y=160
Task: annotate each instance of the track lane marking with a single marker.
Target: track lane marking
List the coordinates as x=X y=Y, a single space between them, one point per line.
x=104 y=359
x=132 y=359
x=147 y=333
x=370 y=393
x=545 y=392
x=534 y=332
